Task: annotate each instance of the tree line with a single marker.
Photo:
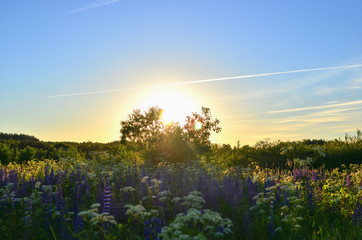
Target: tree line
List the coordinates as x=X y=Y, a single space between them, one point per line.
x=144 y=136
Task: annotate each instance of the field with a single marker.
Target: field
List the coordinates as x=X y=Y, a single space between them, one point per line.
x=78 y=199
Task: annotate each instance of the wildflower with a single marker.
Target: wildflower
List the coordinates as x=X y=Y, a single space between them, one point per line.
x=59 y=199
x=311 y=198
x=153 y=228
x=107 y=198
x=271 y=227
x=246 y=221
x=314 y=176
x=28 y=212
x=286 y=200
x=357 y=214
x=79 y=224
x=348 y=180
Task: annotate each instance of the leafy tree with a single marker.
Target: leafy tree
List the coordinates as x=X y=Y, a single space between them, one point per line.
x=198 y=129
x=4 y=153
x=151 y=134
x=145 y=128
x=26 y=154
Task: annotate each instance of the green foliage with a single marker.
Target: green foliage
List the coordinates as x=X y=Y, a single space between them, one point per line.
x=225 y=206
x=26 y=154
x=200 y=138
x=5 y=153
x=197 y=223
x=278 y=154
x=148 y=132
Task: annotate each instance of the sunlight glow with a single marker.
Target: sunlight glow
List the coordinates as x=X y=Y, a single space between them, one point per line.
x=176 y=104
x=198 y=126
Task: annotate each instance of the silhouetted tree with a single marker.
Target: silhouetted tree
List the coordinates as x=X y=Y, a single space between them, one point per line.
x=198 y=129
x=148 y=132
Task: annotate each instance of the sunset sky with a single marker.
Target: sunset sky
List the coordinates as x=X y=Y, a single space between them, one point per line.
x=71 y=70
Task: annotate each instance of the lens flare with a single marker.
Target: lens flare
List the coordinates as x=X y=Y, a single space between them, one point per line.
x=198 y=126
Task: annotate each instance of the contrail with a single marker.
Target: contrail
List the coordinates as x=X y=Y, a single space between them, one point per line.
x=318 y=107
x=100 y=4
x=210 y=80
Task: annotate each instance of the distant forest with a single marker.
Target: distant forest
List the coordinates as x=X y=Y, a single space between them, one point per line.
x=21 y=148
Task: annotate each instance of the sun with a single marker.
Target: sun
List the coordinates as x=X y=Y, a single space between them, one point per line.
x=176 y=104
x=167 y=118
x=198 y=126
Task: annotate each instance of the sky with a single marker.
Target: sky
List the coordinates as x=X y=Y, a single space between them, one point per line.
x=71 y=70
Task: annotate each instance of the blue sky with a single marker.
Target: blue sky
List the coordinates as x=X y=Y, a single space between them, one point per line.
x=53 y=48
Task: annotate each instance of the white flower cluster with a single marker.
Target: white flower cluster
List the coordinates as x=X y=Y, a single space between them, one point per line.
x=94 y=217
x=139 y=212
x=197 y=223
x=193 y=200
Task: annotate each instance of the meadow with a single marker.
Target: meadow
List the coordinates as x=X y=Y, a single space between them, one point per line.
x=112 y=198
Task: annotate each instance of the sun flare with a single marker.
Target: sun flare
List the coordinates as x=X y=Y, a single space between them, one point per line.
x=176 y=105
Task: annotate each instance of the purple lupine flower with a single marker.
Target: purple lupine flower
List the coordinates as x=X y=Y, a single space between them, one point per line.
x=311 y=198
x=297 y=192
x=121 y=212
x=5 y=177
x=267 y=183
x=164 y=185
x=250 y=189
x=142 y=172
x=115 y=207
x=319 y=193
x=13 y=178
x=23 y=187
x=307 y=173
x=47 y=201
x=246 y=221
x=228 y=188
x=348 y=180
x=59 y=199
x=87 y=189
x=77 y=198
x=314 y=176
x=295 y=175
x=357 y=215
x=286 y=200
x=12 y=198
x=277 y=195
x=78 y=224
x=142 y=189
x=212 y=195
x=28 y=212
x=50 y=179
x=1 y=176
x=271 y=227
x=203 y=181
x=107 y=196
x=153 y=228
x=46 y=177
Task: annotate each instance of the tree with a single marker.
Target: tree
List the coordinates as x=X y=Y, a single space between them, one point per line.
x=198 y=129
x=4 y=153
x=149 y=133
x=144 y=128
